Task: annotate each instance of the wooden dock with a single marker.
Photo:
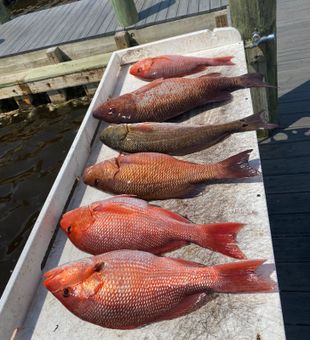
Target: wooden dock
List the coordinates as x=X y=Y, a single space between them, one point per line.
x=85 y=29
x=286 y=166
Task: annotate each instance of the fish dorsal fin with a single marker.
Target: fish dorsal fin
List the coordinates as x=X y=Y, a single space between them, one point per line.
x=149 y=86
x=168 y=214
x=161 y=58
x=130 y=200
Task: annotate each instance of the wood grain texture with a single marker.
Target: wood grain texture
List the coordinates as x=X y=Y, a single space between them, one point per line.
x=86 y=19
x=286 y=168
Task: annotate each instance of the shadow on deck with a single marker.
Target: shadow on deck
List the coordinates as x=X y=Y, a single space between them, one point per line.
x=286 y=166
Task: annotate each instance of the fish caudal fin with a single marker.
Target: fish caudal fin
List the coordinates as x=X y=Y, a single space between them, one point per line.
x=251 y=80
x=242 y=277
x=221 y=238
x=255 y=122
x=219 y=61
x=236 y=166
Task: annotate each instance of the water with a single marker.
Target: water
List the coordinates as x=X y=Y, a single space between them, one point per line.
x=32 y=151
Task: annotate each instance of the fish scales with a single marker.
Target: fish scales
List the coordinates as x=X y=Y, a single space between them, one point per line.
x=124 y=222
x=126 y=289
x=176 y=139
x=161 y=99
x=159 y=176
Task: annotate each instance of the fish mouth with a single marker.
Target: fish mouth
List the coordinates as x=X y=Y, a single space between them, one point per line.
x=52 y=279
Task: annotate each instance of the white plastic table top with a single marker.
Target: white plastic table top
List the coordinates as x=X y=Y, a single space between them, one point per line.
x=225 y=316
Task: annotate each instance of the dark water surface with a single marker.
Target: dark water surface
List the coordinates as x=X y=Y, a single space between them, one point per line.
x=31 y=154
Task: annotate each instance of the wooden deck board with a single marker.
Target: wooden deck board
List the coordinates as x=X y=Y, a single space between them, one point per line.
x=286 y=168
x=88 y=19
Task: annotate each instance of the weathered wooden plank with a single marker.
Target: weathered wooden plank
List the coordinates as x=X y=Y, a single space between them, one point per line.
x=289 y=203
x=290 y=225
x=288 y=165
x=287 y=183
x=294 y=277
x=172 y=10
x=282 y=150
x=287 y=135
x=296 y=308
x=182 y=9
x=71 y=73
x=292 y=249
x=41 y=26
x=86 y=21
x=94 y=29
x=193 y=7
x=204 y=5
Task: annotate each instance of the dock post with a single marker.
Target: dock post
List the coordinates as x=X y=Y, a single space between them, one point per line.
x=126 y=12
x=55 y=56
x=4 y=13
x=256 y=22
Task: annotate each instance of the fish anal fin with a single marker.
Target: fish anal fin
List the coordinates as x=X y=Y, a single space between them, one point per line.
x=173 y=245
x=189 y=304
x=149 y=86
x=222 y=96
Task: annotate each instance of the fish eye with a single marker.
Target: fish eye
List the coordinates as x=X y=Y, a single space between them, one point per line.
x=69 y=229
x=66 y=292
x=139 y=70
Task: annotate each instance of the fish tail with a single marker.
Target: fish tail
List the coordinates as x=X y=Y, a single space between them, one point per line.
x=255 y=122
x=236 y=166
x=251 y=80
x=241 y=277
x=220 y=237
x=219 y=61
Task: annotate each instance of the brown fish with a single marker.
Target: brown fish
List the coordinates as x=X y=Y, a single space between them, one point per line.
x=175 y=139
x=164 y=99
x=158 y=176
x=125 y=222
x=125 y=289
x=169 y=66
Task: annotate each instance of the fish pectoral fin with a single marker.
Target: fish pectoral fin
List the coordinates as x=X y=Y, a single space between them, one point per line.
x=160 y=212
x=114 y=208
x=222 y=96
x=149 y=86
x=189 y=304
x=211 y=75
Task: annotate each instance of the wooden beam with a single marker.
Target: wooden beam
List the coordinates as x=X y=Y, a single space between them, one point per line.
x=260 y=16
x=54 y=77
x=126 y=12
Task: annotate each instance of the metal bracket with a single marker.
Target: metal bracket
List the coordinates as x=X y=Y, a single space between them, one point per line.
x=257 y=39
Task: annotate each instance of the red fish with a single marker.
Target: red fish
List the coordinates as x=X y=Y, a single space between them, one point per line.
x=129 y=223
x=163 y=99
x=169 y=66
x=125 y=289
x=158 y=176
